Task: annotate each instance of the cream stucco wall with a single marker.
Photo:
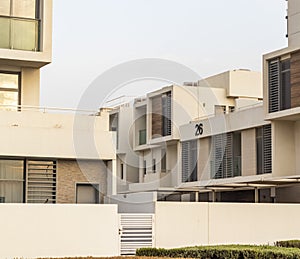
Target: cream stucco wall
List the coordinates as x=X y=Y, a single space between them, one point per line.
x=248 y=143
x=30 y=87
x=188 y=224
x=294 y=23
x=283 y=148
x=237 y=83
x=45 y=231
x=204 y=158
x=37 y=134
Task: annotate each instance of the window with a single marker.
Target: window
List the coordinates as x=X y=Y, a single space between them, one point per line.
x=11 y=181
x=9 y=90
x=161 y=115
x=264 y=150
x=40 y=181
x=122 y=171
x=226 y=155
x=189 y=157
x=163 y=160
x=153 y=165
x=114 y=126
x=87 y=193
x=20 y=24
x=279 y=85
x=145 y=167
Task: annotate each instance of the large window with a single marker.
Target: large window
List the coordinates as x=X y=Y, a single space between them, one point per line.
x=20 y=24
x=264 y=150
x=279 y=85
x=40 y=184
x=9 y=91
x=11 y=181
x=189 y=158
x=226 y=155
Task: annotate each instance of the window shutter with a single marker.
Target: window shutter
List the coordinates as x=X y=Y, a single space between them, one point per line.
x=185 y=155
x=218 y=145
x=267 y=147
x=274 y=85
x=189 y=161
x=228 y=156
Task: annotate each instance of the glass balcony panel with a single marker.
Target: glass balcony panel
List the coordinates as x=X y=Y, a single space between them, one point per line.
x=9 y=81
x=5 y=7
x=25 y=34
x=142 y=137
x=237 y=166
x=5 y=33
x=24 y=8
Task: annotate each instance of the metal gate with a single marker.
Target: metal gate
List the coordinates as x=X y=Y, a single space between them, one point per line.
x=136 y=231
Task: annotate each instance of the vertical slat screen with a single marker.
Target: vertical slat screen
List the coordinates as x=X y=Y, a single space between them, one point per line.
x=185 y=161
x=274 y=85
x=267 y=148
x=41 y=182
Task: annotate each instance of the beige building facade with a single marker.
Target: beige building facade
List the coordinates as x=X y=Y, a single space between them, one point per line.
x=44 y=157
x=218 y=140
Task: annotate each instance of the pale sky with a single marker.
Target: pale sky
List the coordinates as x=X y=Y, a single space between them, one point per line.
x=208 y=36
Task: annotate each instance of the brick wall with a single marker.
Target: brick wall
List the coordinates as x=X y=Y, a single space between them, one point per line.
x=69 y=173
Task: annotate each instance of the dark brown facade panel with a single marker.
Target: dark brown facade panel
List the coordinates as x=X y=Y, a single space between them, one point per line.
x=156 y=116
x=295 y=79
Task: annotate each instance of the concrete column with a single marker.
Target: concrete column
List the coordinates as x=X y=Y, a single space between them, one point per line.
x=256 y=195
x=196 y=196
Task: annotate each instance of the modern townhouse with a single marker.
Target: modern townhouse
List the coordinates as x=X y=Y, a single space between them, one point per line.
x=154 y=136
x=43 y=156
x=216 y=140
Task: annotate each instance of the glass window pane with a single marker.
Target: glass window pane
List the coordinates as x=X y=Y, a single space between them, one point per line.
x=8 y=100
x=9 y=81
x=24 y=35
x=5 y=7
x=24 y=8
x=4 y=32
x=11 y=181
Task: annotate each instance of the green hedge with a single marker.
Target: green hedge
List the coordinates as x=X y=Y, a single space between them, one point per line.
x=288 y=243
x=223 y=252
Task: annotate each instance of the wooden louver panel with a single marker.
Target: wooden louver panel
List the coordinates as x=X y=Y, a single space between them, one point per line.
x=274 y=85
x=41 y=182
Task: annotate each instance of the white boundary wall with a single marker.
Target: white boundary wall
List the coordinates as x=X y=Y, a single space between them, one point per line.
x=189 y=224
x=31 y=231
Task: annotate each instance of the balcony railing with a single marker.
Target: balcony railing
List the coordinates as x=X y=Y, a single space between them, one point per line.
x=28 y=108
x=19 y=33
x=142 y=137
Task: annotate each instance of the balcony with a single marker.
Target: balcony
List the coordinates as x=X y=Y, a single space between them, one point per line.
x=19 y=33
x=54 y=132
x=142 y=137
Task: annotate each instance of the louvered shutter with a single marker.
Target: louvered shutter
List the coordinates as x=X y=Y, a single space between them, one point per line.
x=267 y=148
x=185 y=161
x=274 y=85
